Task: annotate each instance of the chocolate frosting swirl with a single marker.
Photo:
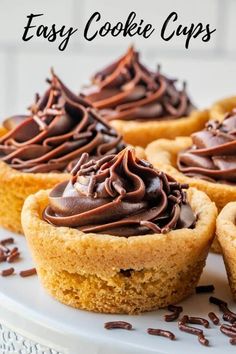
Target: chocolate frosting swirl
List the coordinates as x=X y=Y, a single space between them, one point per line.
x=213 y=154
x=127 y=90
x=120 y=195
x=58 y=129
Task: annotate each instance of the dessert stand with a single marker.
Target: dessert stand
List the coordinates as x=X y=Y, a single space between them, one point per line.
x=33 y=322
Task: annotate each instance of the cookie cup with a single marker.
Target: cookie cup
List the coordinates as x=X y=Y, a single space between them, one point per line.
x=163 y=154
x=222 y=107
x=226 y=235
x=142 y=133
x=16 y=186
x=110 y=274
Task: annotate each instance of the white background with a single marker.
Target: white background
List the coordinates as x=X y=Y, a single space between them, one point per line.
x=209 y=68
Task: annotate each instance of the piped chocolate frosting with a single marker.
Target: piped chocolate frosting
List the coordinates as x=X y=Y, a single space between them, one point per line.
x=127 y=90
x=119 y=195
x=59 y=128
x=213 y=154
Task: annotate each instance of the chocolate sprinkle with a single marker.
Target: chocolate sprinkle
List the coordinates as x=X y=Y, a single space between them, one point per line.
x=228 y=318
x=193 y=330
x=230 y=327
x=202 y=340
x=175 y=315
x=7 y=241
x=201 y=289
x=13 y=250
x=28 y=272
x=216 y=301
x=213 y=318
x=228 y=315
x=13 y=256
x=7 y=272
x=6 y=254
x=188 y=329
x=10 y=256
x=161 y=332
x=198 y=320
x=175 y=308
x=228 y=331
x=118 y=324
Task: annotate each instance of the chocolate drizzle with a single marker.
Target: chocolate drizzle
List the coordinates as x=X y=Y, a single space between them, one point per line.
x=58 y=129
x=120 y=195
x=213 y=154
x=127 y=90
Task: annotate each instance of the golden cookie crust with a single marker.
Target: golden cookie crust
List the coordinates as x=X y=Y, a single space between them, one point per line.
x=226 y=235
x=163 y=154
x=15 y=186
x=84 y=270
x=220 y=108
x=142 y=133
x=2 y=131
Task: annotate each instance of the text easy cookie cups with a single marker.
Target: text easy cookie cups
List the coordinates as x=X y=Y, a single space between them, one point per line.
x=226 y=234
x=39 y=149
x=143 y=105
x=120 y=237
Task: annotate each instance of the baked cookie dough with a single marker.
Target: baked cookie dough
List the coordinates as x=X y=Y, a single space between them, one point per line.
x=95 y=263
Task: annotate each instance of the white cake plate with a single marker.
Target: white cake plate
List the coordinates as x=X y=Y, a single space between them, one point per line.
x=33 y=322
